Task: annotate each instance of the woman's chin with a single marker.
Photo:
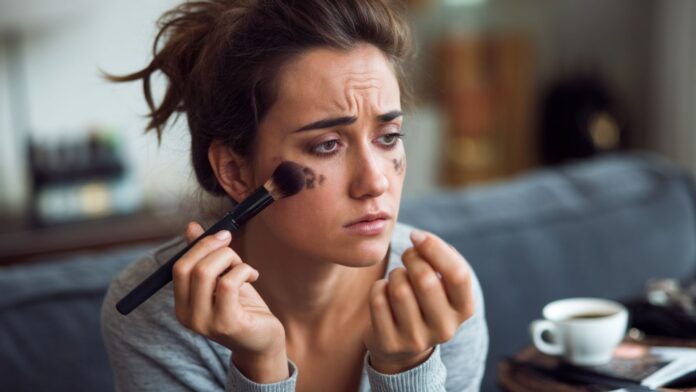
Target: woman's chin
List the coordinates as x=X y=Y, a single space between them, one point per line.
x=363 y=256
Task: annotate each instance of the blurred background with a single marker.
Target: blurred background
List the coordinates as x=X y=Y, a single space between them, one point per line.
x=502 y=87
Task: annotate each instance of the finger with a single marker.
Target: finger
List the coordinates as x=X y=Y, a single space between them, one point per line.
x=437 y=311
x=409 y=319
x=455 y=271
x=203 y=282
x=228 y=286
x=182 y=268
x=381 y=314
x=193 y=231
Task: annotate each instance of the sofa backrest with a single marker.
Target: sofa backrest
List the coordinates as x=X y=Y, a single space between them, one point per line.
x=49 y=323
x=598 y=228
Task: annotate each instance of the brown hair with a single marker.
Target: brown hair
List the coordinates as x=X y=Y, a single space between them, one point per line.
x=222 y=57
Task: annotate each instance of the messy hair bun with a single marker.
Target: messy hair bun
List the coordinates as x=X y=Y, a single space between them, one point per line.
x=221 y=59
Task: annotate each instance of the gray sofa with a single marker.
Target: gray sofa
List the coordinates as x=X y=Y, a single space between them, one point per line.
x=597 y=228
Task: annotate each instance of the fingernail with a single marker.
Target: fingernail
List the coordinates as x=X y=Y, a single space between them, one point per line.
x=222 y=235
x=417 y=237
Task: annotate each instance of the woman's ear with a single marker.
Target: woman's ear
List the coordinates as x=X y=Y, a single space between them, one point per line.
x=232 y=171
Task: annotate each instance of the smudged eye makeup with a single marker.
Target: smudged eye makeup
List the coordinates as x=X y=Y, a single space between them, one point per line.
x=391 y=139
x=327 y=148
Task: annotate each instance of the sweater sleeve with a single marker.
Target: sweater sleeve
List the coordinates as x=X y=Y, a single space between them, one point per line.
x=465 y=355
x=238 y=382
x=429 y=376
x=454 y=366
x=150 y=350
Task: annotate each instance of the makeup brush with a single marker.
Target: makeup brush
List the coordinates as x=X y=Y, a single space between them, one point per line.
x=287 y=179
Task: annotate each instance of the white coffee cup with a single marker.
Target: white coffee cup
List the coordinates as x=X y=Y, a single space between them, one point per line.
x=583 y=331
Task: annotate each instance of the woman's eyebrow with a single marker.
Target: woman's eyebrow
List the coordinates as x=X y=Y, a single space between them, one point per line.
x=386 y=117
x=328 y=123
x=346 y=120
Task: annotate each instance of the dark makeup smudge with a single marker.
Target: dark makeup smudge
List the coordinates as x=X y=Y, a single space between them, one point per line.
x=321 y=179
x=310 y=177
x=399 y=165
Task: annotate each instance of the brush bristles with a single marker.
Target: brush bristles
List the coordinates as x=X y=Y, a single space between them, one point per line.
x=287 y=179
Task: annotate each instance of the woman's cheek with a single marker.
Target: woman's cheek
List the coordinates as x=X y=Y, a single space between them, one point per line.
x=312 y=178
x=399 y=165
x=312 y=200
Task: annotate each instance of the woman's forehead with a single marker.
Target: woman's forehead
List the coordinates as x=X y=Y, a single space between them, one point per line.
x=325 y=61
x=329 y=80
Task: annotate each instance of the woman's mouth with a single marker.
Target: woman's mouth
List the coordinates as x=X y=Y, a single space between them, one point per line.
x=369 y=225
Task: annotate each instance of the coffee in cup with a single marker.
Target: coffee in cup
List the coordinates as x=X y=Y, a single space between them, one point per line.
x=583 y=331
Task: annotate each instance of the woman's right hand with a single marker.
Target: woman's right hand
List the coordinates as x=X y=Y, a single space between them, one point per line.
x=214 y=298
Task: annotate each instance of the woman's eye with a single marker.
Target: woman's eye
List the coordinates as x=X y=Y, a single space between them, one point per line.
x=326 y=148
x=390 y=139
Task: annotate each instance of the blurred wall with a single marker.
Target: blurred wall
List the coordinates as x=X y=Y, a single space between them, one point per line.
x=634 y=44
x=11 y=184
x=674 y=81
x=61 y=57
x=609 y=38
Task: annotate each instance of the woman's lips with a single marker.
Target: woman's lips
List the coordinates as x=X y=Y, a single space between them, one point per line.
x=368 y=228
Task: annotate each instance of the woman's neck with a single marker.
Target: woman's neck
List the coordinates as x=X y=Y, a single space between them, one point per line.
x=310 y=297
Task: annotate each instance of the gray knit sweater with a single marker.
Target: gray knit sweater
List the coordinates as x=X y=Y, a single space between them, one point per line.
x=150 y=350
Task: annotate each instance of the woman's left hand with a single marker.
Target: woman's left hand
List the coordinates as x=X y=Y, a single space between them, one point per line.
x=419 y=306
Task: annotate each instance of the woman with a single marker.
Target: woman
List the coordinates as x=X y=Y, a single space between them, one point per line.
x=324 y=290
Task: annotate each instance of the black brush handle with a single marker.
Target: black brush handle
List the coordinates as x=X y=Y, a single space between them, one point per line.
x=244 y=211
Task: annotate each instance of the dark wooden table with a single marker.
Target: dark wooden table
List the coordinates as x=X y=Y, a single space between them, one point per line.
x=513 y=377
x=20 y=242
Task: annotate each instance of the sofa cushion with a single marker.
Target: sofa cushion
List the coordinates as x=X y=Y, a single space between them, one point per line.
x=49 y=322
x=598 y=228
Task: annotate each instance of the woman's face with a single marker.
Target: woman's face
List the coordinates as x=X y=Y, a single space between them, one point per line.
x=338 y=114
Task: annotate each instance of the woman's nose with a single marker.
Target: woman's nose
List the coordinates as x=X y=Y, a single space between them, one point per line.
x=369 y=178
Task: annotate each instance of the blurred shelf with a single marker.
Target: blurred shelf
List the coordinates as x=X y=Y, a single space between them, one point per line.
x=19 y=242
